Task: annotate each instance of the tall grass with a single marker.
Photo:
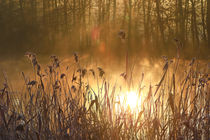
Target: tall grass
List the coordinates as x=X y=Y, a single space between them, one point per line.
x=61 y=102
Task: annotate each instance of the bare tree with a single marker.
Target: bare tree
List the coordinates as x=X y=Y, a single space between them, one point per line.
x=208 y=21
x=181 y=21
x=194 y=27
x=114 y=10
x=159 y=20
x=203 y=20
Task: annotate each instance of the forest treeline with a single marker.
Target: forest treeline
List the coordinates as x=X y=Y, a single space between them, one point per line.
x=49 y=25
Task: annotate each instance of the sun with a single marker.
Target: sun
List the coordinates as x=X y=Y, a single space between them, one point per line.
x=131 y=100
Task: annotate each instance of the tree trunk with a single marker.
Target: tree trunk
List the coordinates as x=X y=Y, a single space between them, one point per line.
x=44 y=7
x=74 y=12
x=159 y=20
x=130 y=21
x=124 y=13
x=186 y=17
x=114 y=10
x=65 y=15
x=89 y=11
x=208 y=21
x=181 y=22
x=21 y=9
x=194 y=27
x=203 y=20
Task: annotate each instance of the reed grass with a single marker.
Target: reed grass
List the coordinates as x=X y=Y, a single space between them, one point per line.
x=58 y=103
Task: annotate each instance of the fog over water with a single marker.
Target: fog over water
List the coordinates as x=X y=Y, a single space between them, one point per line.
x=103 y=33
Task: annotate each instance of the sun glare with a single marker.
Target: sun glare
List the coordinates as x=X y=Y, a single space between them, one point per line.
x=131 y=100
